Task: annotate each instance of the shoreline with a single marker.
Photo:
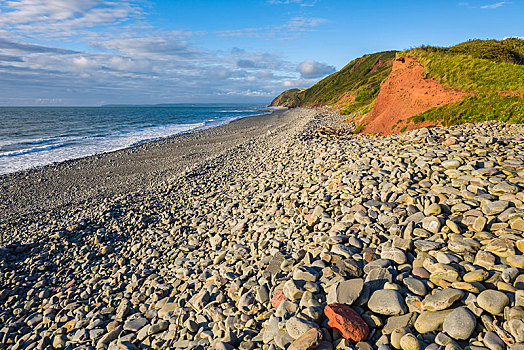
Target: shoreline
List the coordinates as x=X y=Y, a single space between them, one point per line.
x=33 y=186
x=261 y=112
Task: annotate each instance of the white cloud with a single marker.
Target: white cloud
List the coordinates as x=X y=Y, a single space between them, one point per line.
x=297 y=83
x=287 y=31
x=65 y=18
x=83 y=62
x=494 y=6
x=287 y=2
x=311 y=69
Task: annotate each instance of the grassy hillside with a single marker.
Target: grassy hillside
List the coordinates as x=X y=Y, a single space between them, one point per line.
x=352 y=88
x=289 y=98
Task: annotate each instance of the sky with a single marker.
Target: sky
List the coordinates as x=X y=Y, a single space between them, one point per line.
x=95 y=52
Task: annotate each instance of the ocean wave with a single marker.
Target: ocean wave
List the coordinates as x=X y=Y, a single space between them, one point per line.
x=31 y=150
x=85 y=146
x=87 y=134
x=239 y=111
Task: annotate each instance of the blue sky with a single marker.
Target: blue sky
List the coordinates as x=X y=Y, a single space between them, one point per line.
x=92 y=52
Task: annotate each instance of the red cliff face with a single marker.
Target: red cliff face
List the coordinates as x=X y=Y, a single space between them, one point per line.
x=405 y=93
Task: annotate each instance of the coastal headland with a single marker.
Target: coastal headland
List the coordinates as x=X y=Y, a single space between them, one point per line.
x=278 y=231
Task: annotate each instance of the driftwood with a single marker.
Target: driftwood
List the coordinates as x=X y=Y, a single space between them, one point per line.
x=328 y=132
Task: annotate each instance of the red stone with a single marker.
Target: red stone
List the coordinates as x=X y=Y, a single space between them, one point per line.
x=278 y=297
x=347 y=322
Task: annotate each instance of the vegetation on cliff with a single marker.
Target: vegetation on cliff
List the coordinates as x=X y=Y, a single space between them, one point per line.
x=491 y=72
x=353 y=87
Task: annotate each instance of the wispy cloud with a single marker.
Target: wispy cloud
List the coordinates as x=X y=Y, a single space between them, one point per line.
x=495 y=5
x=287 y=31
x=30 y=48
x=486 y=6
x=65 y=18
x=287 y=2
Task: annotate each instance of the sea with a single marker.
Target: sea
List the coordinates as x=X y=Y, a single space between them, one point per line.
x=36 y=136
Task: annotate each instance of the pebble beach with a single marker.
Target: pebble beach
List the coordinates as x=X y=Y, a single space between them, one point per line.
x=284 y=231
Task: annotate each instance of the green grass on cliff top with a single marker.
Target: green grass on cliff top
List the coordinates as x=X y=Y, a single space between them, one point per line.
x=493 y=71
x=481 y=66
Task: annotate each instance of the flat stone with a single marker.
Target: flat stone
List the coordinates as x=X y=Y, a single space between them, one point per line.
x=494 y=208
x=516 y=261
x=479 y=224
x=476 y=276
x=484 y=259
x=431 y=224
x=345 y=292
x=431 y=321
x=520 y=245
x=296 y=327
x=451 y=163
x=433 y=209
x=441 y=299
x=517 y=224
x=135 y=325
x=307 y=341
x=504 y=188
x=409 y=342
x=395 y=322
x=394 y=254
x=502 y=247
x=493 y=301
x=447 y=258
x=387 y=302
x=277 y=298
x=460 y=323
x=464 y=246
x=421 y=272
x=348 y=268
x=426 y=246
x=493 y=342
x=415 y=286
x=305 y=273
